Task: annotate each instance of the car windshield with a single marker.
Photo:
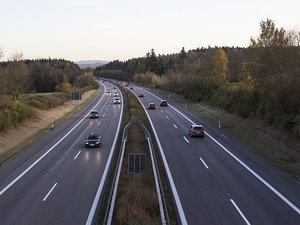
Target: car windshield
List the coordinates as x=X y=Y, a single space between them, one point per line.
x=198 y=128
x=93 y=137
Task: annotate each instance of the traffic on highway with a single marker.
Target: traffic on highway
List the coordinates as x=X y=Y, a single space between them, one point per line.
x=213 y=179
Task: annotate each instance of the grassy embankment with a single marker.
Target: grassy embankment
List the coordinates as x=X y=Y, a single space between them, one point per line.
x=275 y=145
x=33 y=112
x=136 y=201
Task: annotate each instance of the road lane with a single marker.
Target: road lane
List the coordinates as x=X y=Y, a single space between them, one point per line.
x=228 y=193
x=77 y=181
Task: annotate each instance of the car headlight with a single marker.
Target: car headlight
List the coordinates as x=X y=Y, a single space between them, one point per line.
x=97 y=142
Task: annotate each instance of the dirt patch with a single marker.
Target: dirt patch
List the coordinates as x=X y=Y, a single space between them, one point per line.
x=41 y=122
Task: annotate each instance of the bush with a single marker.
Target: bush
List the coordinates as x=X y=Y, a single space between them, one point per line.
x=46 y=101
x=296 y=125
x=14 y=115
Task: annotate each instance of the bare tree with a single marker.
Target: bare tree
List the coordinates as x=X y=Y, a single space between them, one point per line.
x=16 y=77
x=1 y=53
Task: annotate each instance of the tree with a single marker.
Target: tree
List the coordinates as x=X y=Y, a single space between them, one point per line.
x=220 y=66
x=16 y=77
x=182 y=54
x=270 y=36
x=65 y=86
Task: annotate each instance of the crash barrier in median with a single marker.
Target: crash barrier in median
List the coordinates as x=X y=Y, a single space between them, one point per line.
x=158 y=186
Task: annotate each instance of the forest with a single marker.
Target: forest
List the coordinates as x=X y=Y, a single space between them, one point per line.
x=261 y=81
x=41 y=83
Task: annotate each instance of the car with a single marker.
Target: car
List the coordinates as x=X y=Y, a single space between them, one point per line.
x=108 y=90
x=151 y=105
x=196 y=131
x=163 y=103
x=131 y=88
x=141 y=95
x=94 y=114
x=116 y=95
x=93 y=140
x=117 y=101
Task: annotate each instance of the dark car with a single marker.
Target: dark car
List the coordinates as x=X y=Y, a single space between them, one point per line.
x=151 y=105
x=93 y=140
x=94 y=114
x=141 y=95
x=163 y=103
x=196 y=131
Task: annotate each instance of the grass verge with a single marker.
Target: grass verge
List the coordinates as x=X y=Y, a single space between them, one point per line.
x=274 y=145
x=21 y=145
x=141 y=205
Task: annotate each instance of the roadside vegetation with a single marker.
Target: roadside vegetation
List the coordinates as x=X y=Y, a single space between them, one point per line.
x=261 y=81
x=259 y=84
x=136 y=199
x=43 y=84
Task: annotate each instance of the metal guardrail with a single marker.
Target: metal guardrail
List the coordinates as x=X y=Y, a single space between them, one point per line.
x=113 y=191
x=159 y=189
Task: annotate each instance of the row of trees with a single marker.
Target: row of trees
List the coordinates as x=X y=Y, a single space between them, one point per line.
x=262 y=80
x=39 y=76
x=20 y=77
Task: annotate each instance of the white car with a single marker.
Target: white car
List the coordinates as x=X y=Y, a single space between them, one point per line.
x=117 y=101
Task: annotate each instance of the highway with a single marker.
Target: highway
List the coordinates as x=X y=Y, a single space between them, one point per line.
x=57 y=180
x=215 y=180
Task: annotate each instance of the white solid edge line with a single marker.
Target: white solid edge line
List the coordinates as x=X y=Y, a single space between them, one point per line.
x=46 y=153
x=102 y=181
x=204 y=163
x=44 y=199
x=240 y=212
x=288 y=202
x=113 y=199
x=172 y=184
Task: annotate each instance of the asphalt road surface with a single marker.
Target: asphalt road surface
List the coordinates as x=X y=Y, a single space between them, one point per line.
x=215 y=180
x=57 y=180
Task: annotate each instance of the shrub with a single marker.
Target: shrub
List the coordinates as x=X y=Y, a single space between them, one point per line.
x=15 y=114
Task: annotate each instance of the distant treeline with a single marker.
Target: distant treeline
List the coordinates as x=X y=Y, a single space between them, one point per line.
x=261 y=81
x=18 y=78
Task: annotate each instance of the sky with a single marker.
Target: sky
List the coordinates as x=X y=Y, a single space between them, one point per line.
x=125 y=29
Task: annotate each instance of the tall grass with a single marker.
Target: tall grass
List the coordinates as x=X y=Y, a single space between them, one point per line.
x=13 y=113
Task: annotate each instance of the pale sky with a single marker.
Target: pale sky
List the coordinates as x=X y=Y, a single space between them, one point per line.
x=124 y=29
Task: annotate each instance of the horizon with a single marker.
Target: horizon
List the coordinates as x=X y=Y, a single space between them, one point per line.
x=101 y=30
